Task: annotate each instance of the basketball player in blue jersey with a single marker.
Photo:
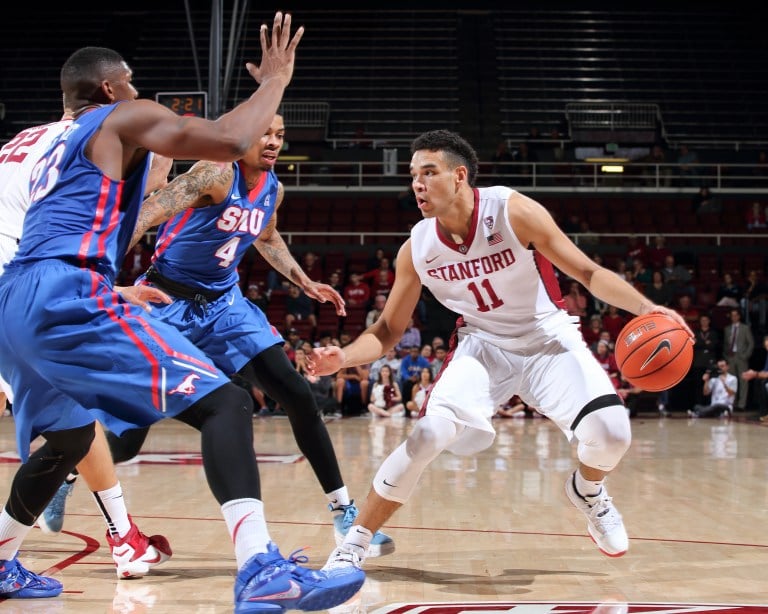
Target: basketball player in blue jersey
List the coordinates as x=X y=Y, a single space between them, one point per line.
x=133 y=552
x=77 y=346
x=488 y=254
x=219 y=210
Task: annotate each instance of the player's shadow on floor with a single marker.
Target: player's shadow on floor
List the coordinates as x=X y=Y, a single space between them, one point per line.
x=509 y=581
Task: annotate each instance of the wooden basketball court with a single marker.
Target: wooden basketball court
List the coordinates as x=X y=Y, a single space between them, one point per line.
x=492 y=532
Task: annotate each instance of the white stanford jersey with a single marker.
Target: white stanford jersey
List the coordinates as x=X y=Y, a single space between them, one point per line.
x=17 y=159
x=498 y=285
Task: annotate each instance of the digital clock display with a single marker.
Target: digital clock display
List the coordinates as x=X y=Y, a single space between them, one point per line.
x=189 y=104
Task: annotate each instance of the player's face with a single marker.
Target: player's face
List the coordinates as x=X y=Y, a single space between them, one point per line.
x=121 y=84
x=264 y=154
x=434 y=183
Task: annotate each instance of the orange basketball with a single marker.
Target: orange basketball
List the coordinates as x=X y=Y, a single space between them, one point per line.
x=654 y=352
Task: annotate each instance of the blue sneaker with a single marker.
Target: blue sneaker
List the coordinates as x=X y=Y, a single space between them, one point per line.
x=270 y=584
x=19 y=583
x=381 y=544
x=52 y=518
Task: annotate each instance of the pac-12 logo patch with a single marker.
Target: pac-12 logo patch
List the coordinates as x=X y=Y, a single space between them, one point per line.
x=187 y=385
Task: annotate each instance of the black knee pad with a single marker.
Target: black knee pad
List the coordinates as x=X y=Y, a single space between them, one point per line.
x=71 y=444
x=222 y=400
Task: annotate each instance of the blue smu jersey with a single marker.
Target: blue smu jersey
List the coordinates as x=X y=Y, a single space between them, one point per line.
x=203 y=247
x=77 y=213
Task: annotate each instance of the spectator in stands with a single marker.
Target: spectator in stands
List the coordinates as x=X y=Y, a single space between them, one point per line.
x=428 y=352
x=760 y=385
x=630 y=394
x=621 y=269
x=357 y=293
x=705 y=352
x=755 y=301
x=614 y=320
x=298 y=306
x=418 y=391
x=729 y=293
x=386 y=397
x=591 y=333
x=636 y=248
x=756 y=217
x=659 y=291
x=678 y=276
x=656 y=168
x=438 y=342
x=572 y=224
x=373 y=274
x=411 y=337
x=312 y=266
x=378 y=306
x=374 y=262
x=687 y=170
x=391 y=360
x=501 y=158
x=254 y=295
x=334 y=281
x=523 y=173
x=607 y=361
x=382 y=284
x=352 y=389
x=576 y=300
x=642 y=276
x=688 y=310
x=657 y=254
x=135 y=263
x=513 y=408
x=705 y=202
x=587 y=239
x=440 y=353
x=738 y=345
x=410 y=367
x=320 y=385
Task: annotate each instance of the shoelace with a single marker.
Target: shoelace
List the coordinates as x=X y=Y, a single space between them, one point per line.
x=343 y=558
x=350 y=513
x=603 y=512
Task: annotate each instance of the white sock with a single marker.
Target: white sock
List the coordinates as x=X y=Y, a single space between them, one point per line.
x=358 y=539
x=12 y=533
x=339 y=497
x=247 y=528
x=587 y=488
x=112 y=506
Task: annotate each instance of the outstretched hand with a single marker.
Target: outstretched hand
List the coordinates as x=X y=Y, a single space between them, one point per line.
x=323 y=293
x=277 y=54
x=142 y=296
x=325 y=361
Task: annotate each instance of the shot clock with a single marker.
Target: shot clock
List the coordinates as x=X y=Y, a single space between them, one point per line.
x=190 y=104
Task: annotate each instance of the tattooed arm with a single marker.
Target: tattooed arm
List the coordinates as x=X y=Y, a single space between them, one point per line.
x=273 y=249
x=204 y=184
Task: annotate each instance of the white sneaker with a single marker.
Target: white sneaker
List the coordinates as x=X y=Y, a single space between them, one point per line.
x=342 y=559
x=604 y=522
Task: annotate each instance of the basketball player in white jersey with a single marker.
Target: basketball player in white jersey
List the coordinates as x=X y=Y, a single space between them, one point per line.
x=488 y=255
x=17 y=162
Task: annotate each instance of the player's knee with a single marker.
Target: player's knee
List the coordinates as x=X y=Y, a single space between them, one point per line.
x=229 y=399
x=606 y=434
x=71 y=444
x=430 y=436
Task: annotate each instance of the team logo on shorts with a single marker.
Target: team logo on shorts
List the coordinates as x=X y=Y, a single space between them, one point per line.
x=187 y=385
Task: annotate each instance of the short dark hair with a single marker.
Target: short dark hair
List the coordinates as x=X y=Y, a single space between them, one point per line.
x=85 y=69
x=456 y=149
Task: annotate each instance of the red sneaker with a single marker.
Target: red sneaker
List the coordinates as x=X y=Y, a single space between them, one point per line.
x=135 y=553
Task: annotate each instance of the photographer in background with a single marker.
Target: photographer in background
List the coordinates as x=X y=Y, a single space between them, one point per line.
x=720 y=386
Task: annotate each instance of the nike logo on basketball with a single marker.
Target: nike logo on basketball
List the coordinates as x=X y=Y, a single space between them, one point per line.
x=664 y=344
x=431 y=260
x=388 y=484
x=293 y=592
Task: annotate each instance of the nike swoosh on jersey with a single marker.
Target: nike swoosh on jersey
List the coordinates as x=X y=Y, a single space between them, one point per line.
x=664 y=344
x=293 y=592
x=431 y=260
x=388 y=484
